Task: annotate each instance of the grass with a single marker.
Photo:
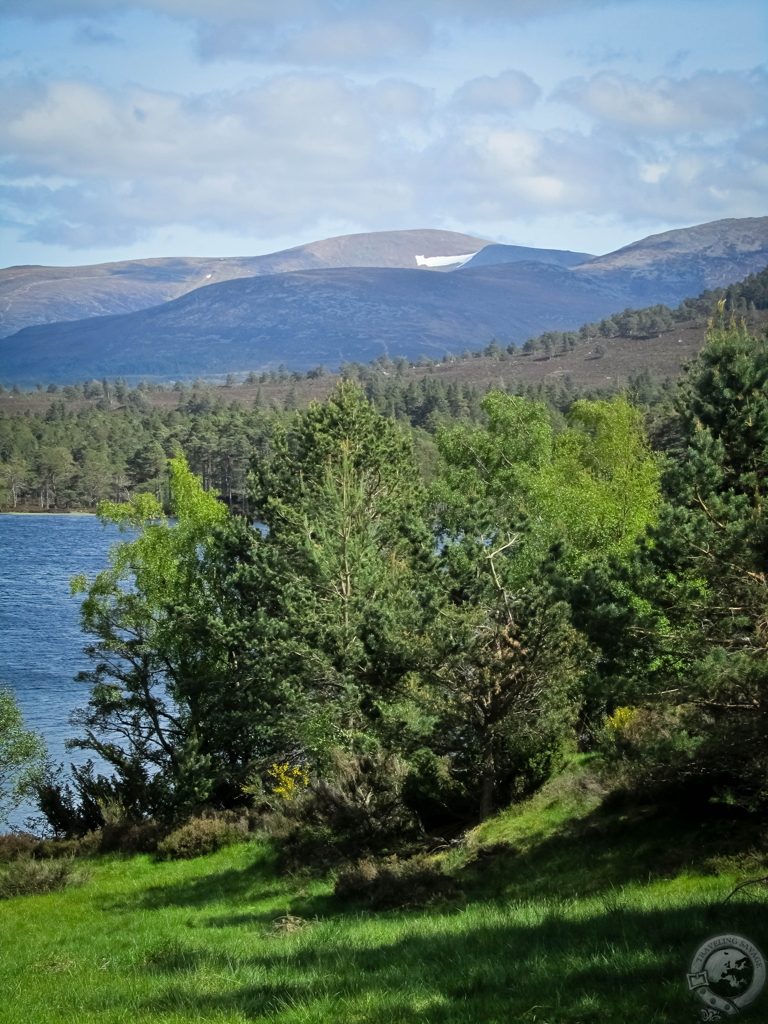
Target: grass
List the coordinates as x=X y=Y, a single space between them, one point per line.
x=572 y=912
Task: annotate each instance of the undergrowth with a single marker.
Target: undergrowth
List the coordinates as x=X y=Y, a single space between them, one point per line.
x=566 y=910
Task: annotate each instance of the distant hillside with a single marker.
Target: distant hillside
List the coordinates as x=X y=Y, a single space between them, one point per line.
x=37 y=295
x=650 y=346
x=303 y=319
x=493 y=254
x=663 y=268
x=336 y=314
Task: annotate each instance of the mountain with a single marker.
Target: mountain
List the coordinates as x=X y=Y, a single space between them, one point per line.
x=494 y=253
x=36 y=295
x=665 y=267
x=303 y=318
x=306 y=318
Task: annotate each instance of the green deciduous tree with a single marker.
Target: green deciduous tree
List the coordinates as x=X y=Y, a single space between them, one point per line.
x=14 y=475
x=21 y=755
x=518 y=501
x=55 y=468
x=592 y=486
x=147 y=716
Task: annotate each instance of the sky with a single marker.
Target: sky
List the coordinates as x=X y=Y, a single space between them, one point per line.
x=237 y=127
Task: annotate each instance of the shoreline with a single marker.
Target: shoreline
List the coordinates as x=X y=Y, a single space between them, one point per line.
x=58 y=512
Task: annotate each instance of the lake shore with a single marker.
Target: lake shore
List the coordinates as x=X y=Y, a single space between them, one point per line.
x=42 y=649
x=50 y=512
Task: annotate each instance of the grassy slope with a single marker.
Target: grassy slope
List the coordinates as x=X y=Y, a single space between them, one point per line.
x=572 y=913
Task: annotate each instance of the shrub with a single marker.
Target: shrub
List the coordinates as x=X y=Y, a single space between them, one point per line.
x=654 y=753
x=390 y=883
x=60 y=849
x=358 y=810
x=23 y=846
x=16 y=846
x=288 y=780
x=31 y=877
x=129 y=837
x=73 y=808
x=200 y=836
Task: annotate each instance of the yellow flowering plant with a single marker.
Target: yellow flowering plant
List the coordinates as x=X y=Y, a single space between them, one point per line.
x=620 y=720
x=289 y=779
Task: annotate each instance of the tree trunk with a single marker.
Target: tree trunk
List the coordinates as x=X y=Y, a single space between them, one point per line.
x=487 y=781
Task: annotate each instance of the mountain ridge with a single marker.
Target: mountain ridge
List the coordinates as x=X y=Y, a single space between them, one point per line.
x=305 y=318
x=712 y=255
x=330 y=315
x=124 y=286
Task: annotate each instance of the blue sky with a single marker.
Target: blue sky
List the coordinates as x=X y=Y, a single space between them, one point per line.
x=237 y=127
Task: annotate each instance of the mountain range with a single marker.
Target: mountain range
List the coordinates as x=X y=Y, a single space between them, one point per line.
x=35 y=295
x=352 y=298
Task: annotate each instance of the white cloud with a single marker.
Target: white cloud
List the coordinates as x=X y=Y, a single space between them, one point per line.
x=653 y=172
x=320 y=33
x=503 y=94
x=296 y=149
x=707 y=100
x=296 y=153
x=512 y=152
x=497 y=176
x=285 y=152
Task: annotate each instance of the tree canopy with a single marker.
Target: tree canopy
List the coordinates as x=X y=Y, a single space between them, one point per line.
x=441 y=644
x=21 y=755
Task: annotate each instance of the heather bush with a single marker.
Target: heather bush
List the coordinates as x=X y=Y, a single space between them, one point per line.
x=391 y=882
x=61 y=849
x=358 y=810
x=16 y=846
x=30 y=877
x=653 y=751
x=200 y=836
x=129 y=837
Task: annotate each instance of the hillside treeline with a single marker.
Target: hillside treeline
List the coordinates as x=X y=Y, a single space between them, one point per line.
x=105 y=440
x=376 y=656
x=742 y=299
x=100 y=441
x=76 y=454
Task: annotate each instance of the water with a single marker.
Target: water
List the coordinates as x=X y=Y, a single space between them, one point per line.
x=41 y=644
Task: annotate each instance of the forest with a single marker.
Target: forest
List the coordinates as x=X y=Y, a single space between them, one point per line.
x=69 y=447
x=376 y=657
x=478 y=736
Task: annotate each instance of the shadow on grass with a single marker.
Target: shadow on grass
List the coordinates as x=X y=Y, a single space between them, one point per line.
x=519 y=949
x=256 y=883
x=601 y=852
x=304 y=908
x=609 y=848
x=621 y=965
x=231 y=885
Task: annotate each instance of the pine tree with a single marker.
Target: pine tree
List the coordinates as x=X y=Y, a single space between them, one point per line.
x=687 y=628
x=348 y=549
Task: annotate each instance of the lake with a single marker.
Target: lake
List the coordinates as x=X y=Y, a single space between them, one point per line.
x=40 y=639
